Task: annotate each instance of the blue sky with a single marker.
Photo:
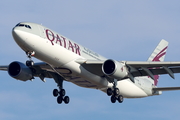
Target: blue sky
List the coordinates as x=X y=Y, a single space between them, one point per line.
x=120 y=30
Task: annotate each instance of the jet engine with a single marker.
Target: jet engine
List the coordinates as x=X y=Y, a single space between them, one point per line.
x=20 y=71
x=114 y=69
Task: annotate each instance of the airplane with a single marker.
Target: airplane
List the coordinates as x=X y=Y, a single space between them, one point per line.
x=65 y=60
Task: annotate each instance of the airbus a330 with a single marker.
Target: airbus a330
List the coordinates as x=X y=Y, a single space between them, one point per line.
x=65 y=60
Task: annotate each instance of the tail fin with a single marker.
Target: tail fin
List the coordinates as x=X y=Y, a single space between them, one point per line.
x=159 y=55
x=160 y=51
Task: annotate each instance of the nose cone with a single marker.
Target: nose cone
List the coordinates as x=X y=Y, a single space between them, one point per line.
x=18 y=35
x=23 y=38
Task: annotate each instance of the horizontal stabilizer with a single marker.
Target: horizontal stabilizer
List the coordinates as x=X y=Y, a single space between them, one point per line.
x=166 y=88
x=5 y=68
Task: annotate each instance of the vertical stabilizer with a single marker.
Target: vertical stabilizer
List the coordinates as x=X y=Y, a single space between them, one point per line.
x=159 y=55
x=160 y=51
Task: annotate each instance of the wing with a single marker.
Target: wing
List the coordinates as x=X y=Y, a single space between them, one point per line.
x=153 y=68
x=41 y=69
x=93 y=66
x=135 y=68
x=44 y=70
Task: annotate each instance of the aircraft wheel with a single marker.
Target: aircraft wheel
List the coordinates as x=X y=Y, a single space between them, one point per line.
x=66 y=99
x=120 y=98
x=29 y=63
x=109 y=91
x=55 y=92
x=116 y=91
x=59 y=99
x=62 y=92
x=113 y=99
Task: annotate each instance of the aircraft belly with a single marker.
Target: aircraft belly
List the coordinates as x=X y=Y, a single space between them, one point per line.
x=130 y=90
x=81 y=77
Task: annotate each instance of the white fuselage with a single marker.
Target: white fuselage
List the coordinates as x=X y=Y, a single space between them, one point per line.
x=60 y=52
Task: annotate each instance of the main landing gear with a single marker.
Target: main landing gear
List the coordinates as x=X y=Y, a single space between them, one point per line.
x=115 y=94
x=60 y=94
x=30 y=62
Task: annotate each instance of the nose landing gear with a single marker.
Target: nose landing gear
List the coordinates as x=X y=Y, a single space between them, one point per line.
x=30 y=62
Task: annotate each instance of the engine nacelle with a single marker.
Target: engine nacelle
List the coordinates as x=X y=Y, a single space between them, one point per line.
x=20 y=71
x=114 y=69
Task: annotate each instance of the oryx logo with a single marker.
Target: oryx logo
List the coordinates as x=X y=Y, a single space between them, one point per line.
x=158 y=58
x=160 y=54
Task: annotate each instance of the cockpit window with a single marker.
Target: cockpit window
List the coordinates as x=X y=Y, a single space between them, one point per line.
x=17 y=25
x=23 y=25
x=27 y=26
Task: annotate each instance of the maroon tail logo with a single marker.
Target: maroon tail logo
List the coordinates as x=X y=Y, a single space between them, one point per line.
x=160 y=54
x=157 y=58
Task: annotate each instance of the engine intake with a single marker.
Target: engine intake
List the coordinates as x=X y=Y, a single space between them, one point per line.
x=20 y=71
x=114 y=69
